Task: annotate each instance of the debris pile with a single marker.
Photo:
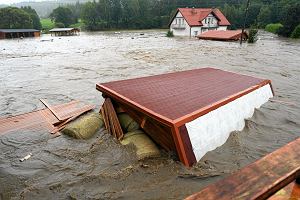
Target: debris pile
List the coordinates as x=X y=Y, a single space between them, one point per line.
x=51 y=119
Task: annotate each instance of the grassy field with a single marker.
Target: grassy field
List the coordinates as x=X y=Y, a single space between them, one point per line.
x=47 y=24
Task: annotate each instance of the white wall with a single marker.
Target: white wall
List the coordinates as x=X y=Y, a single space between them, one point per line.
x=195 y=31
x=213 y=129
x=222 y=28
x=183 y=31
x=210 y=21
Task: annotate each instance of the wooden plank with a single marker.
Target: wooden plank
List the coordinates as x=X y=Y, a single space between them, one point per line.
x=114 y=120
x=64 y=123
x=291 y=191
x=110 y=118
x=260 y=179
x=51 y=109
x=106 y=119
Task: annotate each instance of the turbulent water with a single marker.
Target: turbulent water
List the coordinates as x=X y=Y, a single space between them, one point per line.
x=99 y=168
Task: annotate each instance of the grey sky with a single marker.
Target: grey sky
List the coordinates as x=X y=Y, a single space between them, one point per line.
x=15 y=1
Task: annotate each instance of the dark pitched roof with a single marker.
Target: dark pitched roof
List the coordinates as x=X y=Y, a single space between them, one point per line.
x=18 y=30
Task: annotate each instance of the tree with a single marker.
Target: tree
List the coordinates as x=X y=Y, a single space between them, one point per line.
x=14 y=18
x=296 y=32
x=36 y=23
x=90 y=16
x=264 y=17
x=63 y=15
x=290 y=20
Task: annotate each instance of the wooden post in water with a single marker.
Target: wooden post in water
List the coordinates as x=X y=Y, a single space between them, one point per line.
x=245 y=17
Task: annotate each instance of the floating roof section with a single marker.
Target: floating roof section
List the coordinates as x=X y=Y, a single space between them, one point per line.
x=18 y=30
x=165 y=105
x=223 y=35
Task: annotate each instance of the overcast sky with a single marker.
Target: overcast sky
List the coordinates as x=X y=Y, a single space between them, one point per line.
x=15 y=1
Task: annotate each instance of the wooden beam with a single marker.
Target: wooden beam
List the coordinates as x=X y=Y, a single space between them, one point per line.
x=51 y=109
x=259 y=180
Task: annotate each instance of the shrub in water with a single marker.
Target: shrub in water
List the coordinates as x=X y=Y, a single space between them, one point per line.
x=273 y=28
x=170 y=34
x=252 y=35
x=296 y=32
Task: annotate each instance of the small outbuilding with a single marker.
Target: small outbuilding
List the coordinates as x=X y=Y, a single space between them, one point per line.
x=190 y=112
x=64 y=31
x=19 y=33
x=228 y=35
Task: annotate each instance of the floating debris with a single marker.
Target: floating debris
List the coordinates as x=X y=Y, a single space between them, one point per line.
x=44 y=119
x=26 y=157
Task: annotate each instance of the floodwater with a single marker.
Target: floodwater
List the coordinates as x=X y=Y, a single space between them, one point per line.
x=99 y=168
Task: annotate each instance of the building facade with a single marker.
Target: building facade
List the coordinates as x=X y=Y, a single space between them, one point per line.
x=194 y=21
x=18 y=33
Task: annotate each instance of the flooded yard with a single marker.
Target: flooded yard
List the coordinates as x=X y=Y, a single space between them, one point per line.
x=68 y=68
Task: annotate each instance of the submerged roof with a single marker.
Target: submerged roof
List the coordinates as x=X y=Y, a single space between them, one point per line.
x=222 y=35
x=174 y=96
x=18 y=30
x=62 y=29
x=194 y=16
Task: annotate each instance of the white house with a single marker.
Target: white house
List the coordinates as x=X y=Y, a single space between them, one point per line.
x=194 y=21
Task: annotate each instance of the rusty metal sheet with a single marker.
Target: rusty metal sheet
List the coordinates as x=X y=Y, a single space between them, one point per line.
x=258 y=180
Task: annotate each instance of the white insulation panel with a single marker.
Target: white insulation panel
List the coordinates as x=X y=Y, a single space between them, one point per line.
x=213 y=129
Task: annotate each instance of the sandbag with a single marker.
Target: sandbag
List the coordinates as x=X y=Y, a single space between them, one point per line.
x=85 y=126
x=145 y=147
x=127 y=123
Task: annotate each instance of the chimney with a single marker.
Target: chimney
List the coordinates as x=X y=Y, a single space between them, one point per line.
x=193 y=10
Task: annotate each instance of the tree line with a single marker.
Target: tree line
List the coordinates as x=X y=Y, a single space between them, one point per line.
x=146 y=14
x=16 y=18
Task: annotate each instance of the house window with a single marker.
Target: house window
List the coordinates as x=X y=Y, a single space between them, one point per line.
x=208 y=20
x=205 y=20
x=195 y=33
x=175 y=21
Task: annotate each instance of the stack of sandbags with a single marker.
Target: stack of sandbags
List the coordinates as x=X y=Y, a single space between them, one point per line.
x=145 y=147
x=85 y=126
x=127 y=123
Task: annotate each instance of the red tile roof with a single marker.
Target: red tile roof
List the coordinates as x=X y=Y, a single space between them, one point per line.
x=222 y=35
x=194 y=16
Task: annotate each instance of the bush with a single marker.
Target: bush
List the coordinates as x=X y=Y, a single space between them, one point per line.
x=252 y=35
x=170 y=34
x=273 y=28
x=296 y=32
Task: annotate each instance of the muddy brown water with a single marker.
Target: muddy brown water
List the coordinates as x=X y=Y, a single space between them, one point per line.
x=100 y=168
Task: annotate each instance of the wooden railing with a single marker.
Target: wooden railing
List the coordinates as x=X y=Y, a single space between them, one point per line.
x=259 y=180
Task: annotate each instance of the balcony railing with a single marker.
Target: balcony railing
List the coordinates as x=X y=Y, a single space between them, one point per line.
x=210 y=25
x=178 y=26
